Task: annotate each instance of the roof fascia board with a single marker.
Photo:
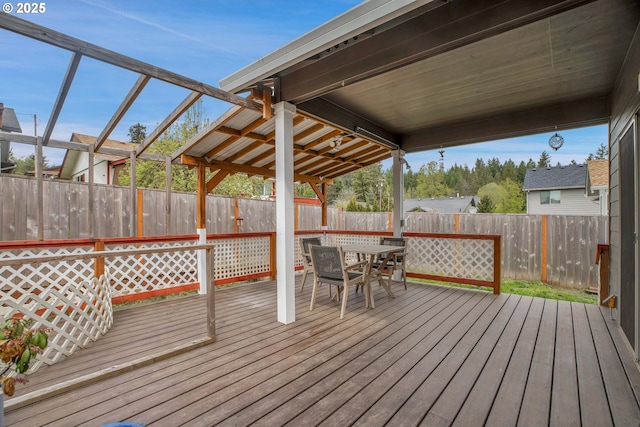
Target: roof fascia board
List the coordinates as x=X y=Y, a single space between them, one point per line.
x=353 y=22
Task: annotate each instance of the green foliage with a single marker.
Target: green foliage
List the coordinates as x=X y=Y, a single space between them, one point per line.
x=431 y=182
x=545 y=160
x=137 y=133
x=485 y=205
x=19 y=345
x=26 y=164
x=602 y=153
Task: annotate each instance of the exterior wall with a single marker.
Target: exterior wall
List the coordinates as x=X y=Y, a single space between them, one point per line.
x=572 y=202
x=100 y=171
x=625 y=103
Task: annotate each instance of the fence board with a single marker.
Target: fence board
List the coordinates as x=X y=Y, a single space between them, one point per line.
x=572 y=240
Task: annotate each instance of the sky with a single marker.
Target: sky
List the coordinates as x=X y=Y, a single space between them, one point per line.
x=205 y=40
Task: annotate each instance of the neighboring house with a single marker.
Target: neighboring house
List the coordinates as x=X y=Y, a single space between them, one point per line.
x=558 y=190
x=52 y=172
x=75 y=165
x=597 y=184
x=458 y=204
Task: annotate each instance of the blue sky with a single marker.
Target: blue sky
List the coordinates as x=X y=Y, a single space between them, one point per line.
x=203 y=40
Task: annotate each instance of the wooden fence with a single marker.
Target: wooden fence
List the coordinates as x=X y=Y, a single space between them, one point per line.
x=559 y=250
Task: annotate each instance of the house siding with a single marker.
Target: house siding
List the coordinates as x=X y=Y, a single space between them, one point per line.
x=100 y=169
x=572 y=202
x=625 y=103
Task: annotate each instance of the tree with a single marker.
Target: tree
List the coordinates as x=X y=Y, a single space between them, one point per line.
x=26 y=164
x=513 y=200
x=545 y=160
x=602 y=153
x=151 y=174
x=430 y=181
x=485 y=205
x=137 y=133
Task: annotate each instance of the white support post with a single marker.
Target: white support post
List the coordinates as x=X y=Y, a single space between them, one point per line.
x=398 y=200
x=203 y=277
x=398 y=193
x=284 y=113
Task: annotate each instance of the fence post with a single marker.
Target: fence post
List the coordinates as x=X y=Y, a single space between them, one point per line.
x=98 y=263
x=543 y=249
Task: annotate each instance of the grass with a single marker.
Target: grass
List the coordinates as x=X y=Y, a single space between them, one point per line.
x=536 y=289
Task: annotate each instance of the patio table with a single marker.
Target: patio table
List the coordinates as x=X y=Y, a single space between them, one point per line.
x=374 y=251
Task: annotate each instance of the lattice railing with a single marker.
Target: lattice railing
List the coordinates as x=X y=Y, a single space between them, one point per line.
x=75 y=306
x=151 y=271
x=241 y=257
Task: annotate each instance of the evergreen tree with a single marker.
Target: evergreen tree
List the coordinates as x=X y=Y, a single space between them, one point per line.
x=545 y=160
x=485 y=205
x=137 y=133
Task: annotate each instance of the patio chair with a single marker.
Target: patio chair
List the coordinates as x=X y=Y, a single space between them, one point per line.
x=394 y=261
x=329 y=266
x=305 y=243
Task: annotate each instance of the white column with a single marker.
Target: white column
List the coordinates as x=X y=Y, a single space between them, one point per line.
x=398 y=193
x=284 y=213
x=203 y=277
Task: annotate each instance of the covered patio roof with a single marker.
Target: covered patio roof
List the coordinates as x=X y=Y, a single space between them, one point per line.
x=431 y=74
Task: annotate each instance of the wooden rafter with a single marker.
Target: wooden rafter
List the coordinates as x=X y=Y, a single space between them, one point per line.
x=168 y=121
x=249 y=170
x=122 y=109
x=62 y=94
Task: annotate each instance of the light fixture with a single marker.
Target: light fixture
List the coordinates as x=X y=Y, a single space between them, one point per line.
x=336 y=142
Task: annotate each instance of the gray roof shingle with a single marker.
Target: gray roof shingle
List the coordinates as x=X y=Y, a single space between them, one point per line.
x=570 y=176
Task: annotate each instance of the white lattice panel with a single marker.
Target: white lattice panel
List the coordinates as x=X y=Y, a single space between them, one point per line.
x=40 y=275
x=352 y=239
x=76 y=313
x=455 y=257
x=241 y=257
x=148 y=272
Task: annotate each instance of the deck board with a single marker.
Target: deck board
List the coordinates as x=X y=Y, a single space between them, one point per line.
x=433 y=355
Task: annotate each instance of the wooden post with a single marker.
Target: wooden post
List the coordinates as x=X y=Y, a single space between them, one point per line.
x=134 y=198
x=325 y=202
x=543 y=249
x=91 y=191
x=98 y=263
x=457 y=223
x=236 y=215
x=296 y=217
x=497 y=260
x=272 y=256
x=211 y=295
x=168 y=185
x=140 y=213
x=201 y=208
x=40 y=188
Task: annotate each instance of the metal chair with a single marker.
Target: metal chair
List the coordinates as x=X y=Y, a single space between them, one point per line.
x=305 y=244
x=329 y=266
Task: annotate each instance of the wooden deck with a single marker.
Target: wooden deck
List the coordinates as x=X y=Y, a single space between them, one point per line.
x=431 y=356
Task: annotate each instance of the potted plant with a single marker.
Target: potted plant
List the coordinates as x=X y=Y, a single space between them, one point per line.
x=19 y=345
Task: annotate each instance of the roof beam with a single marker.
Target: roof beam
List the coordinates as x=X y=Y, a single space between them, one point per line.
x=548 y=118
x=63 y=41
x=424 y=36
x=62 y=94
x=122 y=110
x=168 y=121
x=249 y=170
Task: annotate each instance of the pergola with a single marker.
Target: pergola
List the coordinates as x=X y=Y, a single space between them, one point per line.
x=385 y=78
